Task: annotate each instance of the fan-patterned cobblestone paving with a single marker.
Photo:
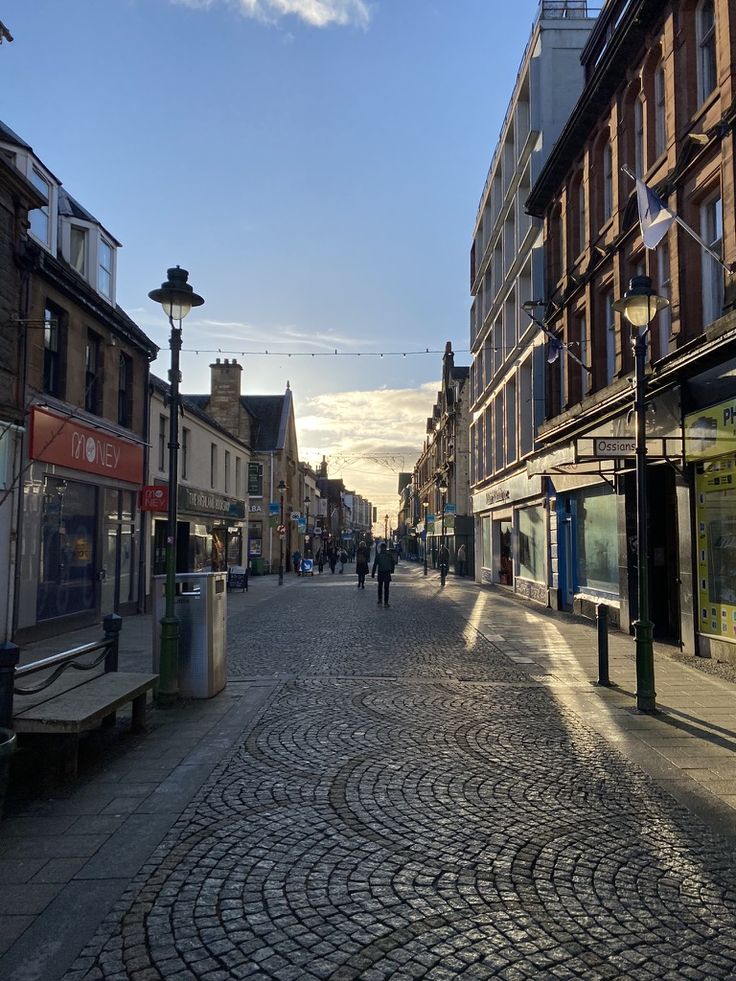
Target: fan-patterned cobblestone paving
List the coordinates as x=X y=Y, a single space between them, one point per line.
x=411 y=804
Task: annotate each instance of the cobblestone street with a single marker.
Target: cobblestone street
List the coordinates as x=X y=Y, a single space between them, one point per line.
x=412 y=804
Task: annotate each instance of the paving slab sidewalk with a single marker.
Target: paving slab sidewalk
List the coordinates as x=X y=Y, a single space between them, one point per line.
x=689 y=745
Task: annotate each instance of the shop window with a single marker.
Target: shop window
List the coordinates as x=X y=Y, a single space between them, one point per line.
x=487 y=543
x=716 y=516
x=67 y=572
x=125 y=391
x=93 y=373
x=255 y=539
x=532 y=544
x=706 y=36
x=53 y=351
x=596 y=542
x=711 y=228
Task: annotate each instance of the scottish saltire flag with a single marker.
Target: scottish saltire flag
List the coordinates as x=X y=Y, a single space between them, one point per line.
x=655 y=217
x=555 y=346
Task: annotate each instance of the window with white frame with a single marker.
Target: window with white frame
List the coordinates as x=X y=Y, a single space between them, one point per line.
x=711 y=229
x=582 y=216
x=489 y=440
x=660 y=114
x=706 y=36
x=78 y=249
x=104 y=268
x=237 y=477
x=40 y=217
x=227 y=471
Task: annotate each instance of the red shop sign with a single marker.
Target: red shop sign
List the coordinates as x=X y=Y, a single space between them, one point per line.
x=154 y=498
x=71 y=443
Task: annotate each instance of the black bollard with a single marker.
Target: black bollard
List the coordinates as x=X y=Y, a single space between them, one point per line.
x=601 y=619
x=9 y=654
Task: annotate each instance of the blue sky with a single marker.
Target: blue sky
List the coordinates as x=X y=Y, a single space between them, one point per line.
x=315 y=164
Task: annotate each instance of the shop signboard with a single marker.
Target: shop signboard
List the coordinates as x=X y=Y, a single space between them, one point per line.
x=68 y=442
x=196 y=501
x=301 y=524
x=711 y=432
x=450 y=508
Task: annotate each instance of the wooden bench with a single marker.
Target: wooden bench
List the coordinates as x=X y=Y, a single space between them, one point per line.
x=77 y=691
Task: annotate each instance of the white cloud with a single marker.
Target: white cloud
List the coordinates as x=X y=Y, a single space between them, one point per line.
x=316 y=13
x=367 y=437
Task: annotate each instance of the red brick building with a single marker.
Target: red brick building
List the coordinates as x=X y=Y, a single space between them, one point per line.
x=659 y=100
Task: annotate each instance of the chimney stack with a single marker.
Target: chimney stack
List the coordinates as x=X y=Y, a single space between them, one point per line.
x=224 y=406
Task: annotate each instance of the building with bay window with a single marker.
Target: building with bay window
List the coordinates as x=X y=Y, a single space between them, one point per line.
x=81 y=464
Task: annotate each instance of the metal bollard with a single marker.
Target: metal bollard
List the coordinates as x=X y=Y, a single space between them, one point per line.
x=112 y=625
x=601 y=619
x=9 y=655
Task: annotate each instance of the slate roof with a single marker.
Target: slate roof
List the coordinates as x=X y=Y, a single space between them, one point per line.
x=269 y=413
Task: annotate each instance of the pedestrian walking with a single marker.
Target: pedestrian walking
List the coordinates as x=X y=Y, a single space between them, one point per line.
x=342 y=559
x=361 y=563
x=384 y=565
x=321 y=560
x=333 y=560
x=296 y=560
x=461 y=560
x=443 y=561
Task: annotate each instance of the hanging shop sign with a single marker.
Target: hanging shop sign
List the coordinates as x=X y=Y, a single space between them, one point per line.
x=154 y=497
x=67 y=442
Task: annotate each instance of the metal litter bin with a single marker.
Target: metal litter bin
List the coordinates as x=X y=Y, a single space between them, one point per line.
x=201 y=608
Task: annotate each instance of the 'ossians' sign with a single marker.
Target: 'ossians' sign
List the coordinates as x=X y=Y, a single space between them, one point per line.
x=70 y=443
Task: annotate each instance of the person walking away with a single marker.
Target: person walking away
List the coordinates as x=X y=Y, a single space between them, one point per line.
x=443 y=561
x=296 y=560
x=321 y=560
x=333 y=560
x=361 y=564
x=342 y=559
x=384 y=565
x=461 y=560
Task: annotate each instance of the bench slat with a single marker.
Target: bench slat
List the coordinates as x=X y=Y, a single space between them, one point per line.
x=82 y=708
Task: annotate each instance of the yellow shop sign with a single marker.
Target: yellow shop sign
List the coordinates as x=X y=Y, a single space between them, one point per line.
x=711 y=432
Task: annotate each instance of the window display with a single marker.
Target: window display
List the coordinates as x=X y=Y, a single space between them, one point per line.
x=715 y=483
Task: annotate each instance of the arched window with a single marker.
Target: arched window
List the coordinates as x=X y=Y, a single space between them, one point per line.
x=705 y=26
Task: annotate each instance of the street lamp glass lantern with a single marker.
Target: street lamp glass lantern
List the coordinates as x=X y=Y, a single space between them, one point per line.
x=442 y=485
x=640 y=303
x=282 y=486
x=176 y=296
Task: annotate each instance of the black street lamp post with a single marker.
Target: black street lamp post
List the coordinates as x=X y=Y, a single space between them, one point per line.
x=307 y=539
x=425 y=505
x=177 y=298
x=639 y=304
x=442 y=487
x=282 y=532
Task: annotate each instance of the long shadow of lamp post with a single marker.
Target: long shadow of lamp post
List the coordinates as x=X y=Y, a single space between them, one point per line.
x=177 y=298
x=639 y=305
x=282 y=533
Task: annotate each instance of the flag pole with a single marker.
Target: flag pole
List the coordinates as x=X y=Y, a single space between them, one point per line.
x=555 y=339
x=685 y=227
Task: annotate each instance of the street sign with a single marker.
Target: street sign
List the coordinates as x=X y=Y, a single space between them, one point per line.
x=295 y=515
x=273 y=507
x=614 y=446
x=317 y=532
x=281 y=529
x=450 y=508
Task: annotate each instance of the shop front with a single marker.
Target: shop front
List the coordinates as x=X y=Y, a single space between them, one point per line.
x=710 y=446
x=78 y=558
x=209 y=533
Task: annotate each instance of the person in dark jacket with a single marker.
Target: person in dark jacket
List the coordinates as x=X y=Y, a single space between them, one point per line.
x=361 y=564
x=384 y=565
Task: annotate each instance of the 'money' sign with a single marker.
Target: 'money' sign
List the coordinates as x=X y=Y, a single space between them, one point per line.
x=70 y=443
